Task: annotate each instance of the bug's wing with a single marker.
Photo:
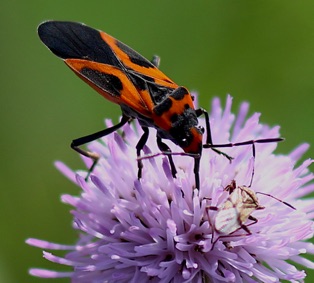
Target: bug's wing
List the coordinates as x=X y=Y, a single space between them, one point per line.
x=136 y=62
x=226 y=221
x=70 y=40
x=92 y=59
x=112 y=83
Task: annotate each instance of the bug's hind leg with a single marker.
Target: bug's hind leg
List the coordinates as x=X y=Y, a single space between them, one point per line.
x=164 y=148
x=86 y=139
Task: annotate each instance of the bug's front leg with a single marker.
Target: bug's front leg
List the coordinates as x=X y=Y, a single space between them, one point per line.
x=141 y=143
x=209 y=139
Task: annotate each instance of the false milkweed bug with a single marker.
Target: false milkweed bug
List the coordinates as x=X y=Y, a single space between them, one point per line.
x=235 y=211
x=143 y=92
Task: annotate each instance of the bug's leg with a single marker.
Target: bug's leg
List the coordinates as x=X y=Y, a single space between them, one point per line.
x=231 y=187
x=209 y=140
x=197 y=171
x=246 y=229
x=252 y=218
x=211 y=145
x=231 y=235
x=123 y=132
x=202 y=111
x=164 y=148
x=253 y=168
x=248 y=142
x=156 y=61
x=243 y=227
x=86 y=139
x=139 y=147
x=213 y=208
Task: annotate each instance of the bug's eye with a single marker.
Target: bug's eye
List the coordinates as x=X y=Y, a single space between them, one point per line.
x=201 y=129
x=185 y=141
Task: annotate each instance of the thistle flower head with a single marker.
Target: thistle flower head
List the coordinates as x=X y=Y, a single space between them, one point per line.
x=161 y=229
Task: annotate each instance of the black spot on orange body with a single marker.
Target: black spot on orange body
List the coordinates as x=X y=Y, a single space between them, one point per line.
x=158 y=93
x=148 y=79
x=134 y=57
x=179 y=95
x=174 y=118
x=138 y=82
x=163 y=107
x=111 y=82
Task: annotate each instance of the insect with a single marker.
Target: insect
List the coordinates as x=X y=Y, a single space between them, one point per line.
x=143 y=92
x=234 y=213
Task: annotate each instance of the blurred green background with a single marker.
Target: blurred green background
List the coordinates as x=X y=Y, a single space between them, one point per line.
x=259 y=51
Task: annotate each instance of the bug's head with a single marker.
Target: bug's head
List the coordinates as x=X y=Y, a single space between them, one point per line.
x=191 y=141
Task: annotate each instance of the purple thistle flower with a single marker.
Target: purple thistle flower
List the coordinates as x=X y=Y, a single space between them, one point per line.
x=159 y=229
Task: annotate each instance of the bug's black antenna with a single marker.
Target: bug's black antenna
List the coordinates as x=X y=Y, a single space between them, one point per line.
x=284 y=202
x=248 y=142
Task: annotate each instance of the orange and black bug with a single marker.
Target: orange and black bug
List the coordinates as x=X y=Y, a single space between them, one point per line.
x=143 y=92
